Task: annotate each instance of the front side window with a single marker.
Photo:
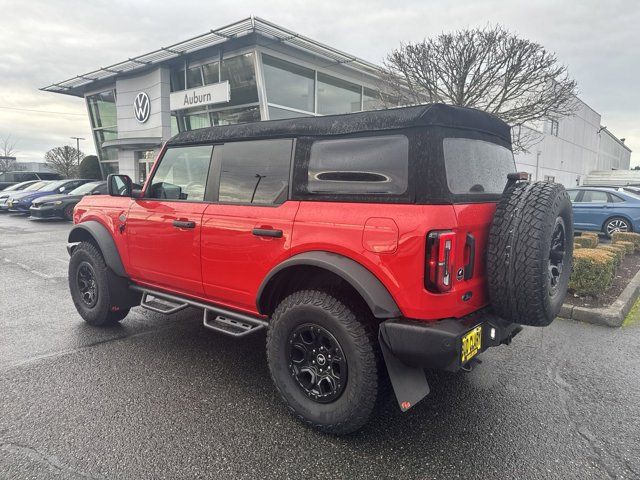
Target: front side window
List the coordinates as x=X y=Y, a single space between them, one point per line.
x=366 y=165
x=476 y=166
x=182 y=174
x=255 y=172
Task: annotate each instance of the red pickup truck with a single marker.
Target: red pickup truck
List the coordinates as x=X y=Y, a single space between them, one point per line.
x=370 y=246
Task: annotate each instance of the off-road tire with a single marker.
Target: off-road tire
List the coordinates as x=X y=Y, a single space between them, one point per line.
x=351 y=327
x=103 y=313
x=519 y=251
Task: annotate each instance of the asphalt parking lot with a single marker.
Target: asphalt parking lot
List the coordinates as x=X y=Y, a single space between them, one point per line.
x=161 y=397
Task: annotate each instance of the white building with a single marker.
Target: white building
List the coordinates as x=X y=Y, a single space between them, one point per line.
x=571 y=147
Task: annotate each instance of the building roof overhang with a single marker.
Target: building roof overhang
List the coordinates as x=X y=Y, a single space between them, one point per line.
x=79 y=85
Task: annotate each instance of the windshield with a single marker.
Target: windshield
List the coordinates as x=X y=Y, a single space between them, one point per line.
x=17 y=186
x=476 y=166
x=56 y=185
x=84 y=189
x=36 y=186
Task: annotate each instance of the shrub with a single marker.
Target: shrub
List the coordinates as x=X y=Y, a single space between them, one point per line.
x=593 y=235
x=586 y=242
x=629 y=246
x=617 y=252
x=576 y=246
x=592 y=271
x=627 y=237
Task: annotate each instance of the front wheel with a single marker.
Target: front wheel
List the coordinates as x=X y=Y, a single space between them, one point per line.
x=323 y=361
x=67 y=213
x=90 y=288
x=616 y=224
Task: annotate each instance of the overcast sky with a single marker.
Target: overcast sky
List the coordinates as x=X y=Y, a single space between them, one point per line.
x=48 y=41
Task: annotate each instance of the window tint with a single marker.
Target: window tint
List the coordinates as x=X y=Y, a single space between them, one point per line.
x=182 y=174
x=255 y=172
x=594 y=196
x=573 y=194
x=367 y=165
x=476 y=166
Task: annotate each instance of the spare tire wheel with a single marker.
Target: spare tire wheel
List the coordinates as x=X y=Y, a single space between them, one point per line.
x=529 y=255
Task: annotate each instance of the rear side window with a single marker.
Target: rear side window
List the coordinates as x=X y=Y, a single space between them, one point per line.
x=573 y=194
x=476 y=166
x=365 y=165
x=182 y=174
x=255 y=172
x=594 y=196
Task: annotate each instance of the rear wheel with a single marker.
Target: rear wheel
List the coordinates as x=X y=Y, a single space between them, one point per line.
x=90 y=288
x=323 y=361
x=616 y=224
x=530 y=253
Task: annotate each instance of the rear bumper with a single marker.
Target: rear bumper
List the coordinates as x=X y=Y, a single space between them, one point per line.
x=438 y=345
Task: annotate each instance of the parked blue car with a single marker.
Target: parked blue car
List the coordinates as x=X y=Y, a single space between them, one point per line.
x=20 y=202
x=606 y=210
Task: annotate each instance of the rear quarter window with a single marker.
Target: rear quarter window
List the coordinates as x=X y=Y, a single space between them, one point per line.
x=476 y=166
x=365 y=165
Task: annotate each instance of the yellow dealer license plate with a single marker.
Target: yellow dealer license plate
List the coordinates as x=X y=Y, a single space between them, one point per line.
x=471 y=344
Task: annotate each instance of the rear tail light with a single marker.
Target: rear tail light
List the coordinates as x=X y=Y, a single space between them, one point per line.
x=441 y=246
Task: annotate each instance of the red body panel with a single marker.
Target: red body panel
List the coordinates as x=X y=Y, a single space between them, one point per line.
x=234 y=260
x=223 y=262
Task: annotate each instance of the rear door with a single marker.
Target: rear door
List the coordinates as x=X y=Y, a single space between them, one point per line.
x=247 y=230
x=163 y=228
x=590 y=209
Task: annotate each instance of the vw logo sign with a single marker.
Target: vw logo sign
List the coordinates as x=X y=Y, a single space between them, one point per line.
x=142 y=107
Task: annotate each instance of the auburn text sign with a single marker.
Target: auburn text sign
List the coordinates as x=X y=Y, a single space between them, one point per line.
x=196 y=97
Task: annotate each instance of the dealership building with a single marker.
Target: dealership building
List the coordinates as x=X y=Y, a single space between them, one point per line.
x=256 y=70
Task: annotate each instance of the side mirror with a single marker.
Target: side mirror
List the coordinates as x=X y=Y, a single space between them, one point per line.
x=119 y=185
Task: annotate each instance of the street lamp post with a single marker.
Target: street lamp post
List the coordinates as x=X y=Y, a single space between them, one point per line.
x=77 y=139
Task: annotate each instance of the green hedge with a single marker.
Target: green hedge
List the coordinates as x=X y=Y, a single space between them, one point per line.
x=618 y=252
x=627 y=237
x=592 y=271
x=576 y=246
x=593 y=235
x=629 y=246
x=586 y=242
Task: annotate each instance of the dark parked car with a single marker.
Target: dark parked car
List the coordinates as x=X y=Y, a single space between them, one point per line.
x=11 y=178
x=21 y=201
x=606 y=210
x=61 y=205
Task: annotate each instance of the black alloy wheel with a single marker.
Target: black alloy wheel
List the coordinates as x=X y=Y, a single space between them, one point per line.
x=317 y=363
x=556 y=256
x=87 y=285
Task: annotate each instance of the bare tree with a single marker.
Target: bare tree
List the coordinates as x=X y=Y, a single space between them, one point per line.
x=485 y=68
x=63 y=160
x=7 y=154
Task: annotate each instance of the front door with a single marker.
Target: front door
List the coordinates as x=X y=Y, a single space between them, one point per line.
x=163 y=228
x=590 y=210
x=248 y=230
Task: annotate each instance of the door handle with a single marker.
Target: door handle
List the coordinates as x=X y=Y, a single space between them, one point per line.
x=184 y=224
x=267 y=232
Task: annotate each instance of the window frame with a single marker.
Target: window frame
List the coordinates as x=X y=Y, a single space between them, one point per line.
x=152 y=174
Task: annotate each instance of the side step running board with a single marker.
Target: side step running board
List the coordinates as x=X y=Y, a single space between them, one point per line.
x=215 y=318
x=230 y=326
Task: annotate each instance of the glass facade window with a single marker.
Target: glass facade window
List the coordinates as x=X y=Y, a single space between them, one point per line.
x=177 y=80
x=276 y=113
x=211 y=73
x=104 y=121
x=240 y=71
x=288 y=84
x=337 y=96
x=371 y=100
x=194 y=77
x=236 y=115
x=110 y=167
x=191 y=120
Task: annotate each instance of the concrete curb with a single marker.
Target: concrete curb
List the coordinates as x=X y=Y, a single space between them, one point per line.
x=611 y=316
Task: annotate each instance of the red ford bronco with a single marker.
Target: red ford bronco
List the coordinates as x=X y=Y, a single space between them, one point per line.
x=371 y=245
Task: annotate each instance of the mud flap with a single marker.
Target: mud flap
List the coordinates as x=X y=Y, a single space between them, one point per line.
x=409 y=383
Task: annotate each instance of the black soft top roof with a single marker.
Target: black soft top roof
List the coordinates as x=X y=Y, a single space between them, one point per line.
x=430 y=115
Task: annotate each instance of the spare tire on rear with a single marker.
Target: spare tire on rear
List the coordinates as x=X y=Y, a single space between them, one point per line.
x=529 y=255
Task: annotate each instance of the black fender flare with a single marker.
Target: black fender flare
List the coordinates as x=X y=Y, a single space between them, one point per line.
x=370 y=288
x=98 y=232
